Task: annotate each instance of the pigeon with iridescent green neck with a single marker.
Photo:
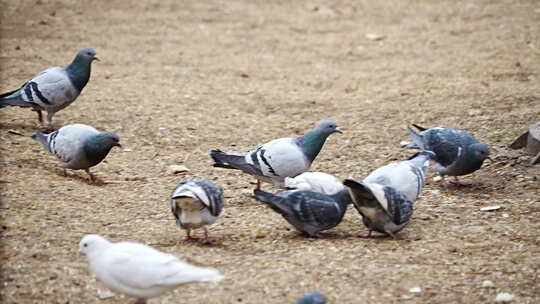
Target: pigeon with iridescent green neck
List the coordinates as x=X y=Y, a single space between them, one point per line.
x=273 y=161
x=78 y=146
x=53 y=89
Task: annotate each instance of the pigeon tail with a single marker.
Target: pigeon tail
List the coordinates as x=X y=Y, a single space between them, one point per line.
x=235 y=161
x=227 y=160
x=13 y=98
x=361 y=195
x=265 y=197
x=199 y=274
x=420 y=128
x=273 y=200
x=417 y=140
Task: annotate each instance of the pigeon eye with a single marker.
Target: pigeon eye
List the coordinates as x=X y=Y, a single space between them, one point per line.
x=85 y=245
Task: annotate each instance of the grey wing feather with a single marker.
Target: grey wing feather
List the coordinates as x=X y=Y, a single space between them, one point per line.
x=231 y=160
x=400 y=208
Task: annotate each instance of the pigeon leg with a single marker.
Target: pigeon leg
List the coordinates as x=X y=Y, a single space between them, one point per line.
x=93 y=178
x=188 y=236
x=40 y=116
x=140 y=301
x=206 y=240
x=258 y=185
x=65 y=173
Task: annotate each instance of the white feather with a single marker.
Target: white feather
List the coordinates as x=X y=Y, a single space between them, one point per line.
x=316 y=181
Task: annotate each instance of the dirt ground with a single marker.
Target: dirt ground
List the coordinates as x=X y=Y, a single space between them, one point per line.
x=178 y=78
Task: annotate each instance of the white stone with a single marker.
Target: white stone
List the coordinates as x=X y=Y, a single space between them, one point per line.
x=504 y=297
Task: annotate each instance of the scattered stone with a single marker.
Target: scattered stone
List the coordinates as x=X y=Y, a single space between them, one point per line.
x=104 y=294
x=504 y=297
x=490 y=208
x=415 y=290
x=175 y=169
x=375 y=37
x=488 y=284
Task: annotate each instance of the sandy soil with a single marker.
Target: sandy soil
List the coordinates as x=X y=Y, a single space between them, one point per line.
x=181 y=77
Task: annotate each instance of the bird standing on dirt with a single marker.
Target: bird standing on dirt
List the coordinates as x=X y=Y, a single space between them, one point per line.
x=138 y=270
x=78 y=146
x=385 y=197
x=456 y=151
x=196 y=203
x=53 y=89
x=279 y=158
x=308 y=211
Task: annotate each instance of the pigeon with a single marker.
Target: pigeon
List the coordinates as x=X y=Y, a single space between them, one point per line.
x=78 y=146
x=279 y=158
x=385 y=197
x=139 y=270
x=316 y=181
x=313 y=297
x=196 y=203
x=457 y=152
x=53 y=89
x=308 y=211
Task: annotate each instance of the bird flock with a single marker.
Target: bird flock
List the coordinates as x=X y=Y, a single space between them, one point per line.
x=310 y=201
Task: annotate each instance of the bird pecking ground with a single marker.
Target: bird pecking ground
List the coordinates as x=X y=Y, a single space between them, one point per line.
x=178 y=78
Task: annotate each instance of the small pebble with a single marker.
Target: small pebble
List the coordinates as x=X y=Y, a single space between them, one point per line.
x=504 y=297
x=175 y=169
x=415 y=290
x=488 y=284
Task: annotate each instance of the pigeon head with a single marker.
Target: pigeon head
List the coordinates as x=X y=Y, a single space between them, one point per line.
x=327 y=127
x=313 y=141
x=91 y=243
x=313 y=297
x=79 y=69
x=87 y=55
x=98 y=146
x=481 y=151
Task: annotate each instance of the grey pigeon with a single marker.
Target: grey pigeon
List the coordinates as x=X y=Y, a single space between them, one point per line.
x=313 y=297
x=138 y=270
x=53 y=89
x=385 y=197
x=78 y=146
x=196 y=203
x=456 y=151
x=308 y=211
x=279 y=158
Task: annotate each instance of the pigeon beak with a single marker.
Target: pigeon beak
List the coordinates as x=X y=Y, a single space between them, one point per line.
x=338 y=130
x=491 y=159
x=96 y=58
x=118 y=145
x=80 y=253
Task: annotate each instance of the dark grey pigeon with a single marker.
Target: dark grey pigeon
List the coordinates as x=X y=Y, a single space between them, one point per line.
x=308 y=211
x=385 y=197
x=78 y=146
x=53 y=89
x=457 y=152
x=313 y=297
x=280 y=158
x=195 y=203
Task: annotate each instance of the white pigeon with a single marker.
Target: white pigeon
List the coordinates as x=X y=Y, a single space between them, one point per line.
x=317 y=181
x=139 y=270
x=195 y=203
x=78 y=146
x=53 y=89
x=279 y=158
x=385 y=197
